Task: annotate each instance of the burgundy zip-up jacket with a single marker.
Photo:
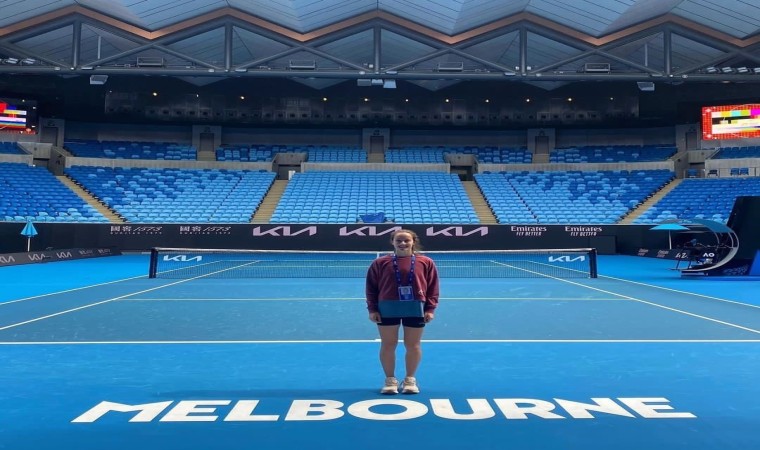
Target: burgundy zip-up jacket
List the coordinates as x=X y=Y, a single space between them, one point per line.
x=382 y=286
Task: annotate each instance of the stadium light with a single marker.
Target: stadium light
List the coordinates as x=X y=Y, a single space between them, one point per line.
x=98 y=80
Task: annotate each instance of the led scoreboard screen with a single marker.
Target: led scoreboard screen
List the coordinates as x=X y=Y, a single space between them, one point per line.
x=18 y=116
x=731 y=121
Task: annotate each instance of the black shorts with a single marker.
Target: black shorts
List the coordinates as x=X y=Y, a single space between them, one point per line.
x=411 y=322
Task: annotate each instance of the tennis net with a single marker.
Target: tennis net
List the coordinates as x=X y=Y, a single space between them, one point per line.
x=184 y=263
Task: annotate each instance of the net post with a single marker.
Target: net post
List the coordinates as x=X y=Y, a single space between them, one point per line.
x=153 y=263
x=592 y=263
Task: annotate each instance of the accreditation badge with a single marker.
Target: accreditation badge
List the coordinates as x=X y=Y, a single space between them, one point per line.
x=405 y=293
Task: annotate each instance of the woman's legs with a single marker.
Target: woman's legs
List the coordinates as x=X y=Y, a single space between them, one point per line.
x=412 y=343
x=388 y=344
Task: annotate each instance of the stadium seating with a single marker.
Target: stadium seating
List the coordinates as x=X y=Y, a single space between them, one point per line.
x=430 y=154
x=260 y=153
x=34 y=193
x=176 y=195
x=703 y=198
x=11 y=148
x=612 y=153
x=404 y=197
x=751 y=151
x=602 y=197
x=130 y=150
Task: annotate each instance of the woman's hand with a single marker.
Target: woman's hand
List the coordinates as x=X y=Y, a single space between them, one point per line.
x=429 y=317
x=375 y=317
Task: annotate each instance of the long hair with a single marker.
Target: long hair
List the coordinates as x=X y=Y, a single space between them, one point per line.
x=416 y=245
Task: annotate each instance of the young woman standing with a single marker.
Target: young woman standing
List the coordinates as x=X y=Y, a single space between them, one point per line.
x=402 y=290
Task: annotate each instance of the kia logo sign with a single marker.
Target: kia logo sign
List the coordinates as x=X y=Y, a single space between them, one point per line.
x=456 y=231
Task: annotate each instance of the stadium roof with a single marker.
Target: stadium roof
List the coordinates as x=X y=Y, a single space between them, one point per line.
x=432 y=43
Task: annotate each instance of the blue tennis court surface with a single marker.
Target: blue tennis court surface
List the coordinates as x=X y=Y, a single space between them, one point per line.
x=96 y=355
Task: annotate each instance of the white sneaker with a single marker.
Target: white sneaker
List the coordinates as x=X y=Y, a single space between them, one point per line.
x=410 y=386
x=390 y=387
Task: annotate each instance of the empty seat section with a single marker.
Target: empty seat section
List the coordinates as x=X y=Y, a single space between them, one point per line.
x=258 y=153
x=130 y=150
x=701 y=198
x=601 y=197
x=612 y=153
x=11 y=148
x=437 y=154
x=28 y=192
x=404 y=197
x=176 y=195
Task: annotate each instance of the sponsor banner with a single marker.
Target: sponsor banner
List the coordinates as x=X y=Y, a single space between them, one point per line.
x=675 y=254
x=585 y=230
x=332 y=237
x=14 y=259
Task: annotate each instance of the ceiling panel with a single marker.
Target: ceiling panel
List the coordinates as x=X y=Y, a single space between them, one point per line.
x=248 y=46
x=304 y=15
x=357 y=49
x=739 y=18
x=503 y=50
x=439 y=15
x=735 y=17
x=13 y=11
x=543 y=51
x=410 y=31
x=590 y=16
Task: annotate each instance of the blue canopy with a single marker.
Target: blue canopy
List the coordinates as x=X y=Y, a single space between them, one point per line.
x=29 y=230
x=670 y=226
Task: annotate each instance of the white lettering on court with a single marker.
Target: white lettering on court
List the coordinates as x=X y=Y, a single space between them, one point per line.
x=186 y=411
x=315 y=410
x=480 y=409
x=243 y=412
x=411 y=410
x=644 y=409
x=389 y=410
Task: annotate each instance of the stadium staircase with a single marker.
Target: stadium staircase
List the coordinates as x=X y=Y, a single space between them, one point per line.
x=377 y=157
x=265 y=210
x=485 y=215
x=651 y=201
x=89 y=199
x=206 y=155
x=540 y=158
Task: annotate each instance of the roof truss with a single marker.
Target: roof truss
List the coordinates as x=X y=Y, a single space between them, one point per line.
x=374 y=46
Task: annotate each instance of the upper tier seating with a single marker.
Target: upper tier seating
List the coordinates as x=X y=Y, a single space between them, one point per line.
x=752 y=151
x=11 y=148
x=176 y=195
x=602 y=197
x=429 y=154
x=130 y=150
x=701 y=198
x=34 y=193
x=404 y=197
x=612 y=153
x=324 y=153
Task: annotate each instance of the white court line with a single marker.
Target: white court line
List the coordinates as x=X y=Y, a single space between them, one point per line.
x=427 y=341
x=357 y=299
x=106 y=301
x=681 y=292
x=71 y=290
x=647 y=302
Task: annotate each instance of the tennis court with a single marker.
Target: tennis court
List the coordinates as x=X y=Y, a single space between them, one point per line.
x=97 y=355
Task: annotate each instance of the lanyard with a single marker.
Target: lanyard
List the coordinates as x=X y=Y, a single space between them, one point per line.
x=398 y=273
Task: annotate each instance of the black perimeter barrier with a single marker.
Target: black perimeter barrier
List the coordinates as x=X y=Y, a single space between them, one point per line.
x=607 y=239
x=44 y=256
